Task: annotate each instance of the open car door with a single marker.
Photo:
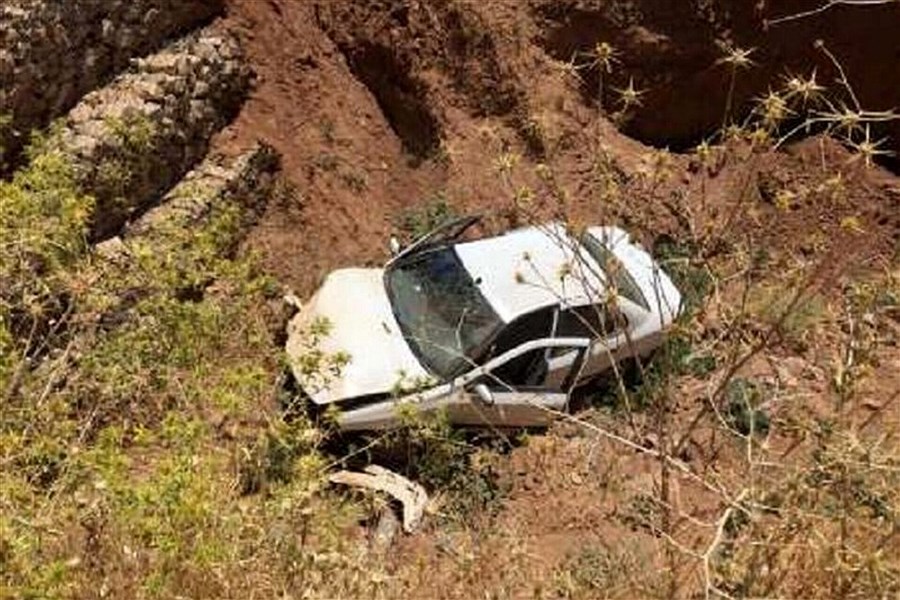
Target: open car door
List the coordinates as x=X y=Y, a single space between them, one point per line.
x=495 y=402
x=444 y=234
x=478 y=398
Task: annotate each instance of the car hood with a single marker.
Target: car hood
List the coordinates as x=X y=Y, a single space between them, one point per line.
x=354 y=319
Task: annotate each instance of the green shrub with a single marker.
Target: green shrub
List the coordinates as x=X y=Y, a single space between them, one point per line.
x=416 y=221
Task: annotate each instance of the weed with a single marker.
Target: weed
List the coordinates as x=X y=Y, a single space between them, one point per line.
x=355 y=181
x=327 y=129
x=115 y=173
x=601 y=572
x=313 y=367
x=5 y=130
x=743 y=407
x=737 y=59
x=327 y=161
x=138 y=407
x=682 y=262
x=43 y=223
x=416 y=221
x=769 y=303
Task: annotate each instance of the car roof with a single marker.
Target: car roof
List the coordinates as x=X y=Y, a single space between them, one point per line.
x=531 y=268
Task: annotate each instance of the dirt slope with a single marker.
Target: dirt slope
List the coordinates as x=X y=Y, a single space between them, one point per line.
x=378 y=107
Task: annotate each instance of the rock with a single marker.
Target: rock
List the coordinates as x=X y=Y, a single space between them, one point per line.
x=234 y=186
x=97 y=39
x=133 y=139
x=216 y=184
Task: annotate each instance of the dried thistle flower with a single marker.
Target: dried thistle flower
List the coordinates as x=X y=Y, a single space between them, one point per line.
x=629 y=95
x=737 y=58
x=806 y=90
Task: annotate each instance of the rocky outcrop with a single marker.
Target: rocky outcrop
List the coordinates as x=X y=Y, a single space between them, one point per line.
x=52 y=52
x=135 y=138
x=176 y=247
x=237 y=188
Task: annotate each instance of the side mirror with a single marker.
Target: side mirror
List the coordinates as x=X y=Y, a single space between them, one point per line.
x=484 y=393
x=394 y=245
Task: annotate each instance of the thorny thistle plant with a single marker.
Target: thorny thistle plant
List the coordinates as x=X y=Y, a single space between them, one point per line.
x=807 y=91
x=604 y=57
x=629 y=98
x=867 y=149
x=773 y=110
x=737 y=59
x=629 y=95
x=805 y=105
x=824 y=7
x=601 y=60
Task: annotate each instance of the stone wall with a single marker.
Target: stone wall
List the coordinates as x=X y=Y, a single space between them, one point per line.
x=218 y=184
x=52 y=52
x=134 y=139
x=182 y=239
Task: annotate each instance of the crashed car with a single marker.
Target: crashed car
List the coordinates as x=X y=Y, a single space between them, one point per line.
x=495 y=331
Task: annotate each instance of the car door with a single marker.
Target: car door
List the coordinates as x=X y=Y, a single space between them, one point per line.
x=603 y=326
x=489 y=397
x=529 y=368
x=485 y=395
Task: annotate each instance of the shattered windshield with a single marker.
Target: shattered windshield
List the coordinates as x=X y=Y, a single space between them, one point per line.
x=442 y=313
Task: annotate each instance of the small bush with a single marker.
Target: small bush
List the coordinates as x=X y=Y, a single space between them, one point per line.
x=414 y=222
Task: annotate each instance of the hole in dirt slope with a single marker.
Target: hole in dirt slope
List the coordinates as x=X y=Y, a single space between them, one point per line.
x=442 y=53
x=346 y=170
x=401 y=98
x=655 y=55
x=671 y=51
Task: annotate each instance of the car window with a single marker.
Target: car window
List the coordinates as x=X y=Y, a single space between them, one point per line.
x=588 y=321
x=528 y=369
x=592 y=321
x=625 y=284
x=533 y=326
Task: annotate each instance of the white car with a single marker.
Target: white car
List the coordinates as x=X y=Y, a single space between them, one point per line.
x=495 y=331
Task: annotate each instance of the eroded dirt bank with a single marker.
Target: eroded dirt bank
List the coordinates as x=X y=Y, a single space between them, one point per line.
x=379 y=106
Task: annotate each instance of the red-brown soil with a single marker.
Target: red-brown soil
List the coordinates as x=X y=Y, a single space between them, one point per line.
x=672 y=50
x=377 y=108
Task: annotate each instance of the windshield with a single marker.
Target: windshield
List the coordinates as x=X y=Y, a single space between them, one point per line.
x=444 y=317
